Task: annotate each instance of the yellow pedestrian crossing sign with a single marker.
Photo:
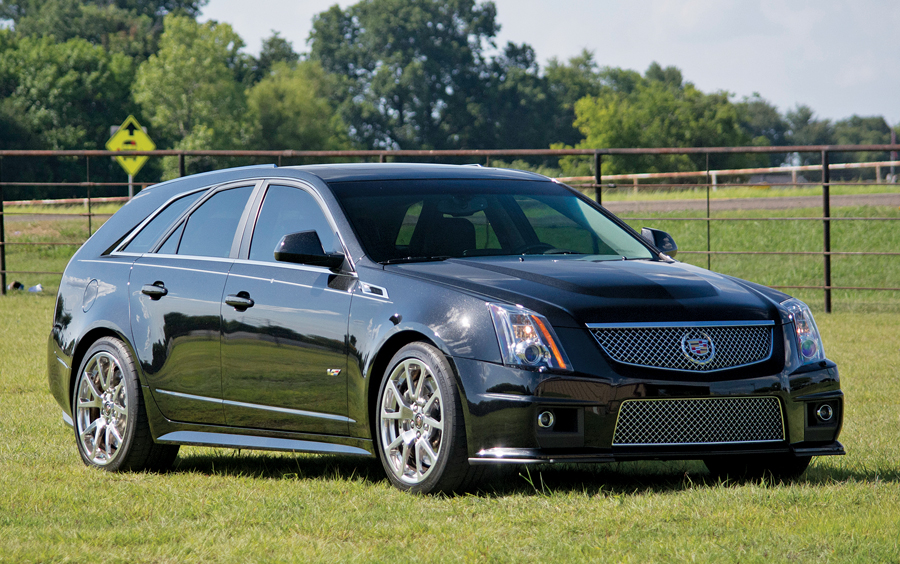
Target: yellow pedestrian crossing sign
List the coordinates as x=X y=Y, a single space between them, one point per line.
x=130 y=137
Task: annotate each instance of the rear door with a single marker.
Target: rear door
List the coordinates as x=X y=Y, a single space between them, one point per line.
x=284 y=346
x=176 y=298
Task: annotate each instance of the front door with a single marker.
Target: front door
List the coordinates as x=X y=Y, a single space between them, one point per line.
x=284 y=349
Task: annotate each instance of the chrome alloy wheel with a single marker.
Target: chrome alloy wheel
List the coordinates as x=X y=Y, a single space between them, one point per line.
x=412 y=426
x=101 y=409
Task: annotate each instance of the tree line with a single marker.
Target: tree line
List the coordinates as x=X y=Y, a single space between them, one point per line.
x=379 y=74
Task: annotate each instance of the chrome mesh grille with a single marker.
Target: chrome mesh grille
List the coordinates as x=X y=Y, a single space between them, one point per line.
x=699 y=421
x=664 y=347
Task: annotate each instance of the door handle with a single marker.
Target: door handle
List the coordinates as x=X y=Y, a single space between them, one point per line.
x=239 y=301
x=155 y=290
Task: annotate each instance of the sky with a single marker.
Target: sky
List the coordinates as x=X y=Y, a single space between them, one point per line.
x=840 y=58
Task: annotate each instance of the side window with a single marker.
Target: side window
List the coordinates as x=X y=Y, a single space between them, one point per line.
x=287 y=210
x=144 y=240
x=209 y=231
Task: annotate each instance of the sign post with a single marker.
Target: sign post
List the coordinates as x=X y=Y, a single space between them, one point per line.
x=130 y=136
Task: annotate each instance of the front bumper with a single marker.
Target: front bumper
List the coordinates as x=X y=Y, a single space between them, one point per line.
x=502 y=406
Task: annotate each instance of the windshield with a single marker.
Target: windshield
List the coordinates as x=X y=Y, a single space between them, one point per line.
x=411 y=220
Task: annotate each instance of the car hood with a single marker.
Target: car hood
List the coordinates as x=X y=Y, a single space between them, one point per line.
x=572 y=291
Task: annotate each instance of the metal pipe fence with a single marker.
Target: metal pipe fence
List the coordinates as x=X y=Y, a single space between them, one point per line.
x=594 y=186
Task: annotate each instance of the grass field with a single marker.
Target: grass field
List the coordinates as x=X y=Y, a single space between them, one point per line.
x=231 y=506
x=649 y=192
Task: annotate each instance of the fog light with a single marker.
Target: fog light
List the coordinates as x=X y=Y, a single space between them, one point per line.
x=546 y=419
x=825 y=412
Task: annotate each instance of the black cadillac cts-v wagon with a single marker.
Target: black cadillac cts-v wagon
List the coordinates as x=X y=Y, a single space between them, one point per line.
x=441 y=318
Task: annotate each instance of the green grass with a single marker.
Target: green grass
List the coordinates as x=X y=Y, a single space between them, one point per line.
x=230 y=506
x=649 y=192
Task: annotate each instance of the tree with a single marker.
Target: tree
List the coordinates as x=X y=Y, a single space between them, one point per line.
x=132 y=27
x=857 y=130
x=68 y=93
x=412 y=69
x=275 y=49
x=805 y=129
x=59 y=96
x=16 y=10
x=764 y=125
x=569 y=82
x=290 y=109
x=188 y=90
x=660 y=111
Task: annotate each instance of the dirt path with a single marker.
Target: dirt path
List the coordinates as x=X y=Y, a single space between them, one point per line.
x=754 y=203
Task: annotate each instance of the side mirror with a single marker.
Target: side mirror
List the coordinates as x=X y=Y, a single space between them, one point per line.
x=660 y=239
x=305 y=247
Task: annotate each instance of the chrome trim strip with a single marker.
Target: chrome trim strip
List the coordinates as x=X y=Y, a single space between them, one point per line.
x=256 y=442
x=61 y=361
x=188 y=396
x=262 y=407
x=68 y=420
x=641 y=445
x=480 y=461
x=289 y=411
x=680 y=324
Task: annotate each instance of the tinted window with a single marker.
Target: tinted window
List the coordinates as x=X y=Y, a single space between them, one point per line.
x=419 y=219
x=151 y=232
x=210 y=230
x=287 y=210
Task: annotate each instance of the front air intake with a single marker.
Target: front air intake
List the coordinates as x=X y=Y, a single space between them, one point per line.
x=701 y=421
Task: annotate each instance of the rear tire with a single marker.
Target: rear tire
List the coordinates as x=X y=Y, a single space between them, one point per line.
x=781 y=467
x=111 y=427
x=419 y=427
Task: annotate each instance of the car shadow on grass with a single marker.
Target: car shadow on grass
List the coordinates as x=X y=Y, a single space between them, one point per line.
x=622 y=478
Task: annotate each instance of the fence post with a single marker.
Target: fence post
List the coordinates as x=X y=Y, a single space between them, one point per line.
x=90 y=227
x=181 y=164
x=826 y=227
x=598 y=189
x=2 y=237
x=708 y=221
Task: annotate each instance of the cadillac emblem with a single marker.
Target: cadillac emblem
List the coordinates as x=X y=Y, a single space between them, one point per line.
x=698 y=347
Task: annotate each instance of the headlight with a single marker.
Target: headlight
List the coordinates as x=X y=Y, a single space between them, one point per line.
x=809 y=342
x=526 y=339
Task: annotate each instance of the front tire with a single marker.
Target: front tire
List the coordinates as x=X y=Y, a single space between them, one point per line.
x=420 y=432
x=111 y=428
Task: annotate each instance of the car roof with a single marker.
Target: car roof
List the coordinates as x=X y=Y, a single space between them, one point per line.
x=358 y=172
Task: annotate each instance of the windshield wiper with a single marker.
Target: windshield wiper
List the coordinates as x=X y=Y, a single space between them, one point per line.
x=416 y=259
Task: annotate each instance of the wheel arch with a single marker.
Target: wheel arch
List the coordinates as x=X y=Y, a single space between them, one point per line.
x=84 y=344
x=380 y=363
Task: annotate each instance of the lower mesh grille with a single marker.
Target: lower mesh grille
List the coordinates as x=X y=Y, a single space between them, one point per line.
x=699 y=421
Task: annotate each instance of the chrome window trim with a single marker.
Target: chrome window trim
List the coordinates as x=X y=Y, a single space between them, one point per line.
x=292 y=266
x=134 y=232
